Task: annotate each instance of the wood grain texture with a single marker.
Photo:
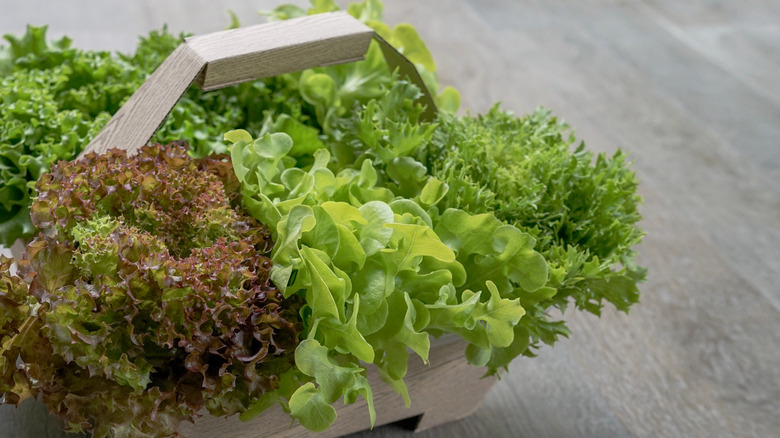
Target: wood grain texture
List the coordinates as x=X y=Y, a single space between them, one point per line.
x=690 y=90
x=270 y=49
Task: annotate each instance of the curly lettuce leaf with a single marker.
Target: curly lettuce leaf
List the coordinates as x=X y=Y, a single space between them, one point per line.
x=582 y=210
x=152 y=297
x=16 y=335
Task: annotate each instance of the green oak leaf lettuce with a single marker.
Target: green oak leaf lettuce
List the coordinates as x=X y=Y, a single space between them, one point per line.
x=377 y=275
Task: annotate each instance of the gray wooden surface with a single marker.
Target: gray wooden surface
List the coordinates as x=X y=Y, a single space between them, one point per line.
x=691 y=89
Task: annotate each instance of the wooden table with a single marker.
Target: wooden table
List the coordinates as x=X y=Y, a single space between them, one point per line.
x=692 y=91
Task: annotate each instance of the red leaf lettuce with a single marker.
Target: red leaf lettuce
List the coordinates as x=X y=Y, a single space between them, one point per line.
x=152 y=297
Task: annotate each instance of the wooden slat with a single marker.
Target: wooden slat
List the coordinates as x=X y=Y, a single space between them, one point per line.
x=431 y=388
x=264 y=50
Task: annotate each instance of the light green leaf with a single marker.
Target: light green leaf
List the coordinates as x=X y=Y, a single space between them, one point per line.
x=370 y=323
x=393 y=366
x=297 y=182
x=257 y=163
x=433 y=192
x=501 y=357
x=400 y=325
x=368 y=176
x=312 y=359
x=448 y=101
x=284 y=12
x=235 y=23
x=408 y=174
x=322 y=6
x=349 y=249
x=346 y=338
x=459 y=318
x=259 y=406
x=466 y=233
x=477 y=356
x=320 y=90
x=327 y=292
x=261 y=208
x=374 y=235
x=289 y=231
x=368 y=10
x=341 y=212
x=324 y=236
x=238 y=135
x=407 y=206
x=362 y=387
x=305 y=138
x=373 y=283
x=492 y=251
x=417 y=241
x=412 y=46
x=501 y=316
x=423 y=286
x=333 y=381
x=308 y=406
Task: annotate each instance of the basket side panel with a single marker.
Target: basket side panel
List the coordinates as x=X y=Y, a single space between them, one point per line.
x=446 y=389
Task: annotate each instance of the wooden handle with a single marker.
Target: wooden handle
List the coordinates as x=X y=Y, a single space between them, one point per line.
x=229 y=57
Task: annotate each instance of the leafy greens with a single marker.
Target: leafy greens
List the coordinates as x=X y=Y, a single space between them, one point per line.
x=56 y=98
x=379 y=273
x=150 y=297
x=582 y=211
x=527 y=172
x=389 y=229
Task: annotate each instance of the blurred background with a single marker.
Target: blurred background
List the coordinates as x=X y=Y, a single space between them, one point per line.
x=691 y=91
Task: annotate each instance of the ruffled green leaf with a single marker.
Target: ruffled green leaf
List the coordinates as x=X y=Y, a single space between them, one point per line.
x=492 y=251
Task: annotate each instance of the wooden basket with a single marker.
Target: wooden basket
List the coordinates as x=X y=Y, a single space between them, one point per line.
x=444 y=390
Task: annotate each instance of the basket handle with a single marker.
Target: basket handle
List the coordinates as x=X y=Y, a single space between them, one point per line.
x=230 y=57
